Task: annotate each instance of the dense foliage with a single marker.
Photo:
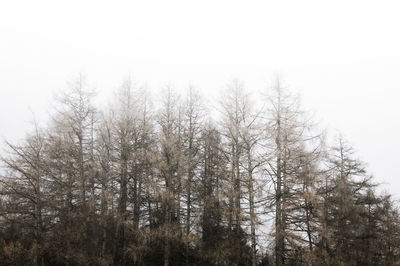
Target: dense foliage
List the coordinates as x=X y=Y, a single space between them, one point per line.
x=140 y=183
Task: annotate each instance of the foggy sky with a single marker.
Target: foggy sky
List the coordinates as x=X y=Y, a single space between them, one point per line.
x=343 y=57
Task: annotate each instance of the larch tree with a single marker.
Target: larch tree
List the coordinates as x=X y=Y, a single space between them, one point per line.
x=170 y=167
x=74 y=122
x=192 y=123
x=25 y=189
x=236 y=122
x=291 y=149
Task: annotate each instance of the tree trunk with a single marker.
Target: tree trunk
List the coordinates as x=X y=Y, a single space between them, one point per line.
x=252 y=213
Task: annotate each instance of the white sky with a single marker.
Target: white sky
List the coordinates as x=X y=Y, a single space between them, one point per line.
x=343 y=56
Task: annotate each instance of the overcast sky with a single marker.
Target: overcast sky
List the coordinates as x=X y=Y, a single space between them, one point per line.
x=342 y=56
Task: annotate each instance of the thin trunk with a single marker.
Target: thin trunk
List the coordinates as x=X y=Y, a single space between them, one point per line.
x=252 y=213
x=231 y=194
x=136 y=204
x=103 y=215
x=166 y=236
x=279 y=238
x=238 y=189
x=189 y=192
x=38 y=260
x=122 y=205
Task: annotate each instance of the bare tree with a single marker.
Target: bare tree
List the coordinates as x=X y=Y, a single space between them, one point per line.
x=191 y=145
x=25 y=187
x=291 y=146
x=170 y=166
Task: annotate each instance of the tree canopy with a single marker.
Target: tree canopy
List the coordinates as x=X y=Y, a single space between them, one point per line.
x=144 y=182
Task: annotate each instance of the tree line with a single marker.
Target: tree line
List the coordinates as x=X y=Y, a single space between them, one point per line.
x=144 y=182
